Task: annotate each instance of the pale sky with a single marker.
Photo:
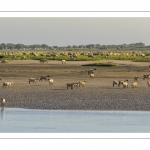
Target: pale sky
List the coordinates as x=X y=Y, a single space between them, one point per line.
x=74 y=31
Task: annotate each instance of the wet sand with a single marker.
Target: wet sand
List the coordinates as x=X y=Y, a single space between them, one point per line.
x=98 y=93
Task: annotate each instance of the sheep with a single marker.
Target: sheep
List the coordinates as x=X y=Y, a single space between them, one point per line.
x=92 y=75
x=4 y=61
x=117 y=83
x=146 y=76
x=91 y=71
x=33 y=80
x=134 y=84
x=43 y=61
x=63 y=61
x=24 y=57
x=136 y=78
x=50 y=81
x=125 y=84
x=148 y=83
x=2 y=103
x=71 y=85
x=44 y=77
x=5 y=84
x=76 y=85
x=82 y=83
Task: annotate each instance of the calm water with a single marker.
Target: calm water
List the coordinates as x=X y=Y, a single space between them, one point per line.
x=14 y=120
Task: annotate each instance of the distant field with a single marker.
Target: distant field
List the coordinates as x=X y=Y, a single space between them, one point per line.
x=76 y=55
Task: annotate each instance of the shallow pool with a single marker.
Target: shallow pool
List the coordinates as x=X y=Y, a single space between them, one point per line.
x=15 y=120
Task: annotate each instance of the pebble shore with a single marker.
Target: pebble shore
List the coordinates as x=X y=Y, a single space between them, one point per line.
x=98 y=93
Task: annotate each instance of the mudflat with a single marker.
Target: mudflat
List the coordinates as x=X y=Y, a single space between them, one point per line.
x=97 y=94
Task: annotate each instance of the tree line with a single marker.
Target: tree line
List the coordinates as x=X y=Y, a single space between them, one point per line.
x=11 y=46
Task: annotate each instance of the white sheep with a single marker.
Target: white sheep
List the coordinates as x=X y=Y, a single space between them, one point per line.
x=50 y=81
x=134 y=84
x=91 y=71
x=92 y=75
x=2 y=103
x=63 y=61
x=125 y=84
x=82 y=83
x=7 y=84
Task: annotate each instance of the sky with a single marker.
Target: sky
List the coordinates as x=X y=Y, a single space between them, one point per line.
x=64 y=31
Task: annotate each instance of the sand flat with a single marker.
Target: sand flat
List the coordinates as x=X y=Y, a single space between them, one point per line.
x=98 y=93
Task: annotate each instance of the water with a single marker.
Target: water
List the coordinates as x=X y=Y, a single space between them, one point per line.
x=15 y=120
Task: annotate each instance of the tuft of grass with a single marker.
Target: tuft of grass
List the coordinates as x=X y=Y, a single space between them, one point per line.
x=108 y=64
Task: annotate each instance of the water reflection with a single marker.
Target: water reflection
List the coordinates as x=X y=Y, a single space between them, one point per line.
x=2 y=114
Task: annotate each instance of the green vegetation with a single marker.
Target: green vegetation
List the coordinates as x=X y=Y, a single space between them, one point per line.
x=80 y=55
x=108 y=64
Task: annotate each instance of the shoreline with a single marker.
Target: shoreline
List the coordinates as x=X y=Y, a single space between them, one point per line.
x=98 y=93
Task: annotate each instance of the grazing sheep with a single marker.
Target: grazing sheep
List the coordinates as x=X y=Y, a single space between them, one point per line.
x=33 y=80
x=44 y=77
x=92 y=75
x=91 y=71
x=24 y=57
x=4 y=61
x=2 y=103
x=134 y=84
x=7 y=84
x=136 y=78
x=50 y=81
x=117 y=83
x=43 y=61
x=63 y=61
x=148 y=83
x=71 y=85
x=125 y=84
x=146 y=76
x=82 y=83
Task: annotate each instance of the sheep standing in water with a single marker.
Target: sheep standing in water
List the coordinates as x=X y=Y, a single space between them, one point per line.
x=2 y=103
x=134 y=84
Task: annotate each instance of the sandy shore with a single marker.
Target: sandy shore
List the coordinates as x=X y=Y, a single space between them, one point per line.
x=98 y=93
